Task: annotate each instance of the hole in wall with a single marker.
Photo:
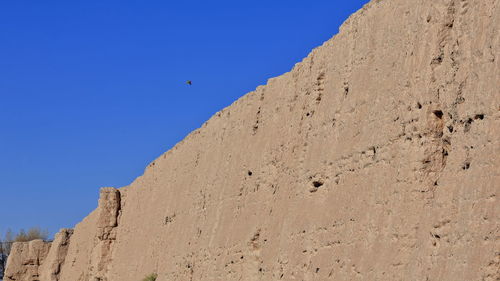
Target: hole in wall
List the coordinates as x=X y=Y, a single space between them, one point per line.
x=346 y=90
x=466 y=166
x=438 y=113
x=437 y=60
x=317 y=183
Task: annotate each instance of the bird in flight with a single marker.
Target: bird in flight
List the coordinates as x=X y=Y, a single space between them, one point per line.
x=189 y=82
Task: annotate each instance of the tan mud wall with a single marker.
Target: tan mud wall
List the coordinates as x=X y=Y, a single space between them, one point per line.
x=375 y=158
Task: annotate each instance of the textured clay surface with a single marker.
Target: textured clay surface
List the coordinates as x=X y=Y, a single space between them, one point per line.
x=375 y=158
x=25 y=260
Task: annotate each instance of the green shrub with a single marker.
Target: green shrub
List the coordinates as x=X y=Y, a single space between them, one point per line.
x=150 y=277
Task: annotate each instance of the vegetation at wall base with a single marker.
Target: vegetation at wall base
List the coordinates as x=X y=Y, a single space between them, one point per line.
x=150 y=277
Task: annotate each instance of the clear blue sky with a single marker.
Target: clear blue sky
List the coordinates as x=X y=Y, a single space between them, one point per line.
x=92 y=91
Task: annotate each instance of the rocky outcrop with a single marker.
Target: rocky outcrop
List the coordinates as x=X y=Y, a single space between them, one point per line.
x=98 y=252
x=51 y=267
x=25 y=259
x=375 y=158
x=109 y=210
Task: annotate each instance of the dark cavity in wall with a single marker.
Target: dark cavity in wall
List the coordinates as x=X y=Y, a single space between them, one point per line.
x=346 y=90
x=438 y=113
x=479 y=116
x=466 y=166
x=437 y=60
x=317 y=183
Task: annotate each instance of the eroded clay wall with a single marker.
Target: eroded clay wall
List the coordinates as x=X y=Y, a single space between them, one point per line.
x=375 y=158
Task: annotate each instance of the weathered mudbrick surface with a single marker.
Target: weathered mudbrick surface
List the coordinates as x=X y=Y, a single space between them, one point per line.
x=375 y=158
